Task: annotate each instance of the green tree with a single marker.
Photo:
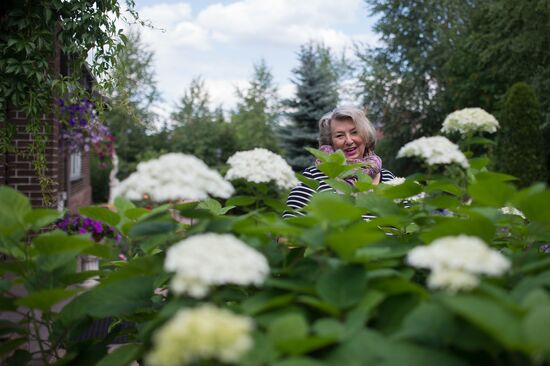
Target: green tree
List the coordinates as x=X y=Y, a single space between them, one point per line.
x=519 y=143
x=439 y=56
x=201 y=131
x=255 y=117
x=403 y=82
x=129 y=117
x=316 y=81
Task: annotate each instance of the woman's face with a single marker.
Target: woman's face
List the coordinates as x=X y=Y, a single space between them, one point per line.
x=345 y=137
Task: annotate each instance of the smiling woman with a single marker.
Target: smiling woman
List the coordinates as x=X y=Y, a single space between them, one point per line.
x=347 y=129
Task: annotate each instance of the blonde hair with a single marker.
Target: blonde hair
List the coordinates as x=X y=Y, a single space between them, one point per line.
x=362 y=123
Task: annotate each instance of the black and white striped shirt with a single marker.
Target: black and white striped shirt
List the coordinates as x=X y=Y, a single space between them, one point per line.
x=300 y=195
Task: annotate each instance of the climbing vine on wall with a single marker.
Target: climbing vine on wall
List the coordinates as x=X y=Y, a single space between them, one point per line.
x=85 y=31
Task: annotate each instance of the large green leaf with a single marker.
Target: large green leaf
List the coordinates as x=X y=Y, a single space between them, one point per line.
x=371 y=348
x=379 y=205
x=13 y=207
x=476 y=225
x=288 y=327
x=346 y=241
x=536 y=327
x=56 y=249
x=406 y=189
x=100 y=213
x=333 y=208
x=122 y=204
x=535 y=205
x=121 y=356
x=343 y=287
x=45 y=299
x=489 y=316
x=40 y=217
x=145 y=228
x=491 y=192
x=114 y=299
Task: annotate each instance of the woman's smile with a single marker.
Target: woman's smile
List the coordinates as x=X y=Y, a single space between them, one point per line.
x=345 y=137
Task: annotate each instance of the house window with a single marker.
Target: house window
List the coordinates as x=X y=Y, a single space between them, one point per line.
x=75 y=169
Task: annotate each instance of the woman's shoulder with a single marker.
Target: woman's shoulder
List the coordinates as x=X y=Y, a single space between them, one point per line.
x=386 y=175
x=313 y=172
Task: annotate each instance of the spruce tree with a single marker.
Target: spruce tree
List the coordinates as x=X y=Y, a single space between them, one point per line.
x=255 y=117
x=519 y=142
x=316 y=80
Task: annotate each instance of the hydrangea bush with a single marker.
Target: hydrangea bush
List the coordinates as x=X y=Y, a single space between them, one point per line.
x=443 y=275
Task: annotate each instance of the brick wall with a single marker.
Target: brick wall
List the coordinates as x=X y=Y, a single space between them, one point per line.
x=16 y=169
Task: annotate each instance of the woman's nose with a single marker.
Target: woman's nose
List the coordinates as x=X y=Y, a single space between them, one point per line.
x=349 y=141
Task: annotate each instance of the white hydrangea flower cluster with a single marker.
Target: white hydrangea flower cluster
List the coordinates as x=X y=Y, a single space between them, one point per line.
x=470 y=120
x=395 y=181
x=507 y=210
x=456 y=261
x=434 y=150
x=261 y=166
x=211 y=259
x=202 y=333
x=174 y=176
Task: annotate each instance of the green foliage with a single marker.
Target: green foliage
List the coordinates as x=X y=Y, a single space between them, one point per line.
x=31 y=31
x=201 y=131
x=440 y=56
x=316 y=80
x=256 y=114
x=519 y=144
x=340 y=289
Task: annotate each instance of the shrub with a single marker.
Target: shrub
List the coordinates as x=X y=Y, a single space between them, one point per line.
x=520 y=149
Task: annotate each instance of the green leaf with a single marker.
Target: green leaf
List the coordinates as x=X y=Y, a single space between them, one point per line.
x=406 y=189
x=321 y=155
x=114 y=299
x=100 y=213
x=299 y=361
x=339 y=185
x=345 y=242
x=240 y=201
x=45 y=299
x=332 y=170
x=476 y=225
x=304 y=345
x=343 y=287
x=135 y=213
x=40 y=217
x=333 y=208
x=121 y=356
x=122 y=204
x=146 y=228
x=377 y=204
x=536 y=327
x=479 y=163
x=288 y=327
x=13 y=207
x=443 y=186
x=311 y=183
x=489 y=316
x=491 y=192
x=535 y=205
x=56 y=249
x=265 y=301
x=328 y=327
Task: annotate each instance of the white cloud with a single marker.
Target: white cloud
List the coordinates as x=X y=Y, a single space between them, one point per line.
x=221 y=41
x=222 y=91
x=166 y=15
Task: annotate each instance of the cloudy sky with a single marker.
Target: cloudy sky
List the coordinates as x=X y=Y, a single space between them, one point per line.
x=221 y=40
